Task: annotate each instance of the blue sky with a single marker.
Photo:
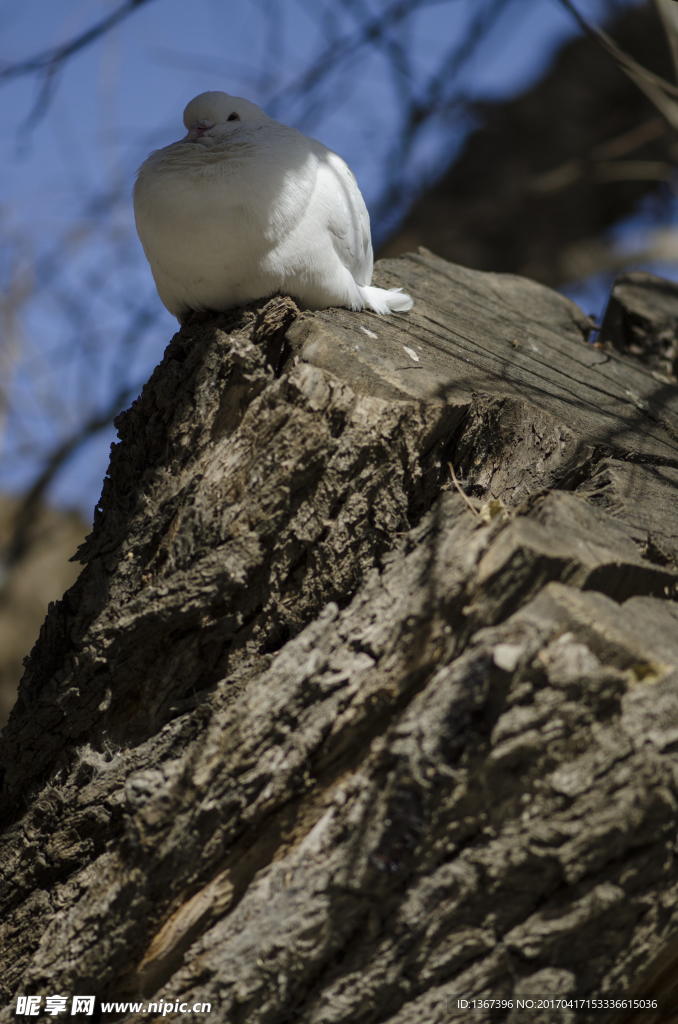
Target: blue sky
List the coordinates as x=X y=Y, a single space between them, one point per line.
x=123 y=97
x=125 y=94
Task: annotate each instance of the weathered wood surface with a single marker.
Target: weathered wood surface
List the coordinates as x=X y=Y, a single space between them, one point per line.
x=640 y=321
x=312 y=740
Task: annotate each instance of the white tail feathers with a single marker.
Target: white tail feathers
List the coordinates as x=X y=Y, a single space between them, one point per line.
x=383 y=300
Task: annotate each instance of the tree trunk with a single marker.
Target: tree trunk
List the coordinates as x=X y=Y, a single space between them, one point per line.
x=318 y=737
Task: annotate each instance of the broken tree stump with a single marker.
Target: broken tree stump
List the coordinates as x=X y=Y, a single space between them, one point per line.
x=317 y=737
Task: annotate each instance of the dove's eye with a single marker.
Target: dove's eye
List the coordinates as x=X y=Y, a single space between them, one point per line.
x=233 y=117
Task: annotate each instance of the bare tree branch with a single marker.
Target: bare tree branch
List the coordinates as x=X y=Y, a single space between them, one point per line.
x=48 y=60
x=49 y=63
x=432 y=100
x=370 y=32
x=626 y=61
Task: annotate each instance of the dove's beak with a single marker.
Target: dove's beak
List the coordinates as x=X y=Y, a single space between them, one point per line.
x=197 y=130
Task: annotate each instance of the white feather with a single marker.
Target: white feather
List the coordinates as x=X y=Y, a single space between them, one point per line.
x=239 y=210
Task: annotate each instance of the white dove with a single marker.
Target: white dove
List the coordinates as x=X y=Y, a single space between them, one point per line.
x=244 y=207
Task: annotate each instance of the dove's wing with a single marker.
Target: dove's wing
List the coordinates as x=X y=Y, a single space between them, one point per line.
x=347 y=218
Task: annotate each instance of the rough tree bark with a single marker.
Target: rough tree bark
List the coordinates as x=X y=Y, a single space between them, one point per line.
x=315 y=737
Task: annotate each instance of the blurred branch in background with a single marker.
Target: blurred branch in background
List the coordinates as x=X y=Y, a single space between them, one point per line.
x=437 y=97
x=547 y=174
x=658 y=90
x=29 y=509
x=81 y=355
x=668 y=12
x=55 y=57
x=49 y=63
x=16 y=287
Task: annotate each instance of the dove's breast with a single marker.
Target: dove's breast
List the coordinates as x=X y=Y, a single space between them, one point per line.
x=214 y=221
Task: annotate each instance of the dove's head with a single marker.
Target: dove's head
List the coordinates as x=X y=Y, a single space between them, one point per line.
x=216 y=114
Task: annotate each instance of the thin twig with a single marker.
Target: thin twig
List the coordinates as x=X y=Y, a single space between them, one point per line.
x=461 y=491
